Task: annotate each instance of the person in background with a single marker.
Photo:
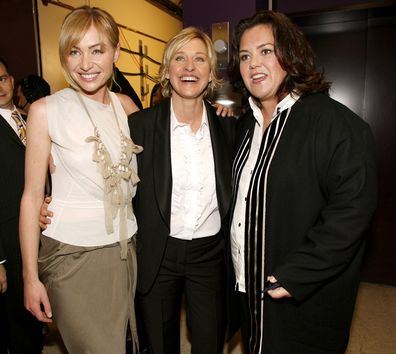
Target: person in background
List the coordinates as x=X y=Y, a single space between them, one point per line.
x=183 y=200
x=304 y=192
x=30 y=89
x=122 y=85
x=20 y=332
x=156 y=95
x=85 y=274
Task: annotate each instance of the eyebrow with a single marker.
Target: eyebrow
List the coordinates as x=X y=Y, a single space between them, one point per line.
x=196 y=53
x=258 y=47
x=91 y=46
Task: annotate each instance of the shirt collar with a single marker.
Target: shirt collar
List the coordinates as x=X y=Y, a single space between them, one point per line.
x=174 y=123
x=285 y=103
x=7 y=112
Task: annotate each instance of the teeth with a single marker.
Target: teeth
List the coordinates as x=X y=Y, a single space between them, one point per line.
x=188 y=78
x=258 y=76
x=88 y=76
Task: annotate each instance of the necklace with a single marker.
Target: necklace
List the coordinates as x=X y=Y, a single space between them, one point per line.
x=113 y=174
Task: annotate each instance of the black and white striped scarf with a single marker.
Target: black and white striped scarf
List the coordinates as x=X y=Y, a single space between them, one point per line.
x=255 y=219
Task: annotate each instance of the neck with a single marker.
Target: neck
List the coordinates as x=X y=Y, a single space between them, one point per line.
x=101 y=95
x=10 y=106
x=188 y=111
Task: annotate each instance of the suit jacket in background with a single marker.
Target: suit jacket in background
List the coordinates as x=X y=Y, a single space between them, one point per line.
x=12 y=167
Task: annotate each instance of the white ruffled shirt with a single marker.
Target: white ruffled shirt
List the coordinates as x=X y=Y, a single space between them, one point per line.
x=194 y=208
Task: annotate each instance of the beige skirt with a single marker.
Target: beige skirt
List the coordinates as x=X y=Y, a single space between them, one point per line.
x=91 y=292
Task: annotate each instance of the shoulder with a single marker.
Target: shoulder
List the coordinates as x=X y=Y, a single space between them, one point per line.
x=142 y=121
x=162 y=109
x=37 y=120
x=127 y=104
x=38 y=108
x=224 y=121
x=327 y=111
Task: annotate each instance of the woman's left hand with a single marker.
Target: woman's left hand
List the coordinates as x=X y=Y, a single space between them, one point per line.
x=277 y=293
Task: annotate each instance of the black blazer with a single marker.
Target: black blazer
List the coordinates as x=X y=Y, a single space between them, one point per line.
x=150 y=128
x=12 y=164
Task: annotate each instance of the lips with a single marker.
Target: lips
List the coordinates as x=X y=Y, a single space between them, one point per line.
x=259 y=76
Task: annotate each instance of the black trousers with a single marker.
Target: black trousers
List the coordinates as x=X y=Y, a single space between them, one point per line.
x=20 y=332
x=195 y=269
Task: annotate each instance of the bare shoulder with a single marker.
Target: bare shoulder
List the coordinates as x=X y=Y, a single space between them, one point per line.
x=38 y=112
x=127 y=103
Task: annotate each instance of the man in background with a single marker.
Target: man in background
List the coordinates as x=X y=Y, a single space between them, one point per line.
x=30 y=89
x=20 y=332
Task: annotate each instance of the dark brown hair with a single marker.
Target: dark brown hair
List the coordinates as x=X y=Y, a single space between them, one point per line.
x=2 y=61
x=292 y=50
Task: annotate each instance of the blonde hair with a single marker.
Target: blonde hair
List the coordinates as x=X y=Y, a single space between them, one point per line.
x=174 y=45
x=74 y=27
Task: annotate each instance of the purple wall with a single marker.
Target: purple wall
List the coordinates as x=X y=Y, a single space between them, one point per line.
x=204 y=13
x=293 y=6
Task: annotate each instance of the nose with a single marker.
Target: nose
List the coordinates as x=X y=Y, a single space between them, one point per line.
x=254 y=62
x=86 y=63
x=189 y=64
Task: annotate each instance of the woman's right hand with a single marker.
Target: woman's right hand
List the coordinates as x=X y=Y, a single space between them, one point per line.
x=45 y=214
x=36 y=300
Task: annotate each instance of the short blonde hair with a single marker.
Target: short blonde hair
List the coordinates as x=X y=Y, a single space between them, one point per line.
x=177 y=42
x=74 y=27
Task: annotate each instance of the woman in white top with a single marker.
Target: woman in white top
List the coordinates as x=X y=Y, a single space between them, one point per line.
x=87 y=257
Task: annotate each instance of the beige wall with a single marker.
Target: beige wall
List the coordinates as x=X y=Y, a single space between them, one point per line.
x=139 y=15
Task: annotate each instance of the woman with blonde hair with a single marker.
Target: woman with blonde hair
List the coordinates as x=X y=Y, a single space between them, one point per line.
x=84 y=277
x=183 y=199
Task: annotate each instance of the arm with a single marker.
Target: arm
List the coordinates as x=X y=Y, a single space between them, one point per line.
x=3 y=279
x=36 y=164
x=332 y=245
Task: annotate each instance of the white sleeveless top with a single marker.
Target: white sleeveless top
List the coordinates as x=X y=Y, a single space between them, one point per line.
x=77 y=184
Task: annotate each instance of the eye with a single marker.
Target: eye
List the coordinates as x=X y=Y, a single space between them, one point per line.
x=267 y=51
x=243 y=57
x=200 y=59
x=179 y=58
x=97 y=51
x=74 y=52
x=3 y=78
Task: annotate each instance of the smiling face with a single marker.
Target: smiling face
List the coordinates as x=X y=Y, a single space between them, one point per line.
x=189 y=70
x=6 y=88
x=260 y=69
x=90 y=63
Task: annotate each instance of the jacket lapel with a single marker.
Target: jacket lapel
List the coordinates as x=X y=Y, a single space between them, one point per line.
x=162 y=171
x=221 y=162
